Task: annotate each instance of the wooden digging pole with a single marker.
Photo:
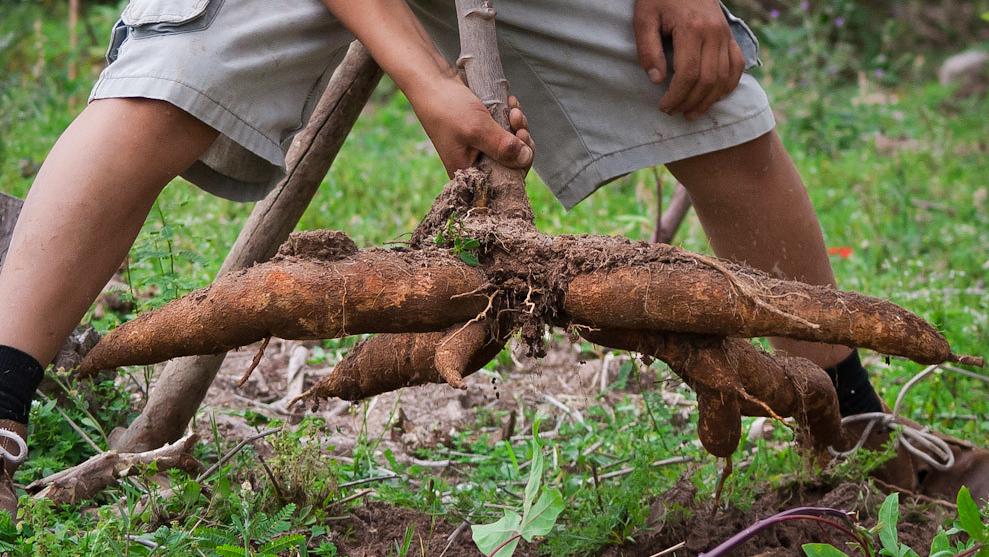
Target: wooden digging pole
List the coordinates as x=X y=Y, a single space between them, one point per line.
x=182 y=385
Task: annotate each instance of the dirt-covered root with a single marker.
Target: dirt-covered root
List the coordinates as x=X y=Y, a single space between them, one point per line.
x=319 y=287
x=719 y=422
x=814 y=400
x=733 y=378
x=715 y=298
x=458 y=349
x=388 y=362
x=374 y=291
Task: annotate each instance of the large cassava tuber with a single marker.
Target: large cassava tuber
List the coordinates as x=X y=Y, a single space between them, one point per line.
x=598 y=282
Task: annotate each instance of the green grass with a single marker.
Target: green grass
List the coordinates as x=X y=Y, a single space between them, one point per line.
x=917 y=221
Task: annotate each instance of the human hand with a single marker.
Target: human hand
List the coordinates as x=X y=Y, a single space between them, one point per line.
x=708 y=63
x=461 y=128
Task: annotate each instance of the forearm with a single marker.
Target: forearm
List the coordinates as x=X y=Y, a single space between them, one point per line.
x=396 y=39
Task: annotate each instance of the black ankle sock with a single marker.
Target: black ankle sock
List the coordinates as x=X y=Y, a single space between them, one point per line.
x=855 y=392
x=20 y=375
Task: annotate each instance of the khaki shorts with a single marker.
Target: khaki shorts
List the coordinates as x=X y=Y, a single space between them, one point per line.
x=254 y=69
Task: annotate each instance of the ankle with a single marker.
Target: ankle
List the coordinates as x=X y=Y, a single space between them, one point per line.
x=20 y=375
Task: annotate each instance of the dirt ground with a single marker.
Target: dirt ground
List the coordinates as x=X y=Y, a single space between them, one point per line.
x=702 y=529
x=425 y=416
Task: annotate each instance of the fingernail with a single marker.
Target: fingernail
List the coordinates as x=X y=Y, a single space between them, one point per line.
x=655 y=76
x=525 y=156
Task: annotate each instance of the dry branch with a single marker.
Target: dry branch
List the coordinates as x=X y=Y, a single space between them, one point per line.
x=103 y=470
x=669 y=221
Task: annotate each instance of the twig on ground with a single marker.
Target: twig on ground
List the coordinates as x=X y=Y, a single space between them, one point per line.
x=141 y=541
x=595 y=446
x=429 y=463
x=605 y=366
x=918 y=496
x=453 y=537
x=670 y=549
x=349 y=498
x=658 y=464
x=105 y=469
x=230 y=454
x=75 y=427
x=273 y=480
x=368 y=480
x=295 y=378
x=576 y=415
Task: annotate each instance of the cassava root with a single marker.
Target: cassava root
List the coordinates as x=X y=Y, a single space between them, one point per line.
x=599 y=282
x=733 y=378
x=388 y=362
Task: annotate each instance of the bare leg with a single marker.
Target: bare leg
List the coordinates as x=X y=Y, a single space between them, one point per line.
x=83 y=212
x=755 y=209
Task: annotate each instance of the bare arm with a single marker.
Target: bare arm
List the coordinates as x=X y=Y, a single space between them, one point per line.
x=457 y=123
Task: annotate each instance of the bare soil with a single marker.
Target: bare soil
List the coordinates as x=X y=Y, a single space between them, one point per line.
x=376 y=529
x=678 y=517
x=423 y=416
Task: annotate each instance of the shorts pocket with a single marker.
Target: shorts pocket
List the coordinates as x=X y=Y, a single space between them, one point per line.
x=150 y=18
x=744 y=36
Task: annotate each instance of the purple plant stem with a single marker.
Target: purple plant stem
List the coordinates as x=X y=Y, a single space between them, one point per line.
x=799 y=513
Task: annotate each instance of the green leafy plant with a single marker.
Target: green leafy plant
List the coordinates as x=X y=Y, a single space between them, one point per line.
x=969 y=521
x=889 y=516
x=257 y=535
x=540 y=509
x=462 y=246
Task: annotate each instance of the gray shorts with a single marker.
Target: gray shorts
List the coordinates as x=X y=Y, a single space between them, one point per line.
x=253 y=69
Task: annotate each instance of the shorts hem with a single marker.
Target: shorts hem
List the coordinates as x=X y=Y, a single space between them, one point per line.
x=196 y=103
x=605 y=168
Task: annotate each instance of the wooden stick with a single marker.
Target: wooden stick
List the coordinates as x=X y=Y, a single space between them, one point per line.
x=73 y=69
x=659 y=208
x=481 y=61
x=10 y=208
x=182 y=385
x=674 y=215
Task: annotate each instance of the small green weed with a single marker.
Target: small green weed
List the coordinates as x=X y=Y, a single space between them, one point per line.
x=540 y=508
x=462 y=246
x=946 y=543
